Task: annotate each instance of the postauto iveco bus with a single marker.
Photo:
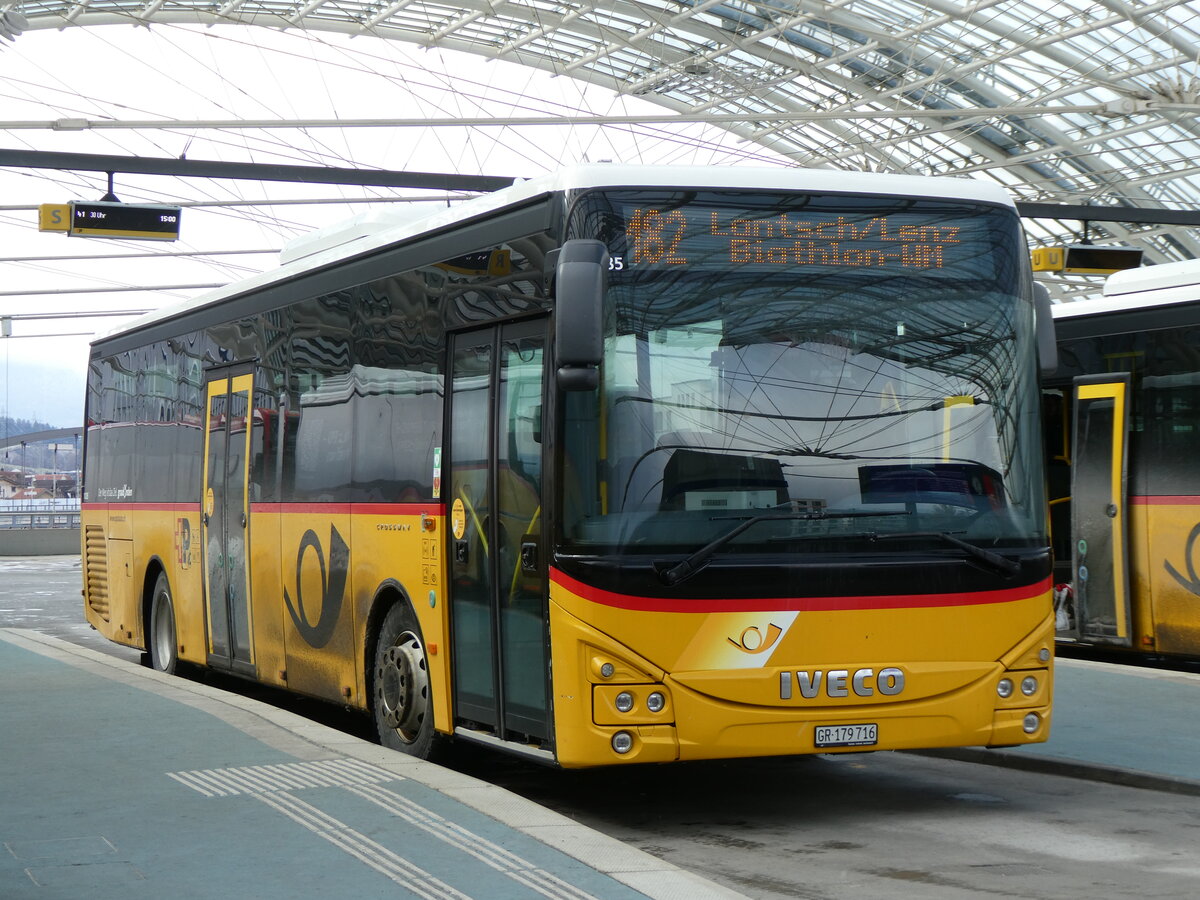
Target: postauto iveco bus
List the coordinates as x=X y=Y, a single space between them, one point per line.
x=1123 y=414
x=621 y=464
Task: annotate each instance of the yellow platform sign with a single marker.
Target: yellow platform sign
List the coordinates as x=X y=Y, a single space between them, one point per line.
x=54 y=217
x=106 y=219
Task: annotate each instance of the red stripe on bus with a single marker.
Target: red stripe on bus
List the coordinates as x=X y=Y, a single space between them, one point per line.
x=362 y=509
x=347 y=509
x=801 y=604
x=1163 y=500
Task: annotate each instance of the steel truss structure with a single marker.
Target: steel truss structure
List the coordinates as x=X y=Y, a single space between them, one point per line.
x=1070 y=101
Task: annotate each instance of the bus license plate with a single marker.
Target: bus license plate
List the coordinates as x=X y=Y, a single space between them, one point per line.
x=866 y=735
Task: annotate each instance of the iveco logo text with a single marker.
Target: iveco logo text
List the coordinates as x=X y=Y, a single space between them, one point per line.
x=840 y=682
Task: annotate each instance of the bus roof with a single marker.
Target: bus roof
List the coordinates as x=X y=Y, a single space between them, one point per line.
x=370 y=232
x=1153 y=278
x=1144 y=288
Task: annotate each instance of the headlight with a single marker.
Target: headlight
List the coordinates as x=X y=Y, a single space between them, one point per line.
x=624 y=701
x=655 y=702
x=1029 y=685
x=1005 y=688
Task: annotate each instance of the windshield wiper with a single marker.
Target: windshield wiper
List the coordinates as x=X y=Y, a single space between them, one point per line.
x=696 y=561
x=1001 y=564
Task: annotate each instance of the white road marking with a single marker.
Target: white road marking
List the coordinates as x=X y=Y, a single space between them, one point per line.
x=468 y=842
x=380 y=858
x=273 y=785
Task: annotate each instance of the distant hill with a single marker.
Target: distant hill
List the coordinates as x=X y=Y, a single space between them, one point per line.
x=10 y=426
x=57 y=456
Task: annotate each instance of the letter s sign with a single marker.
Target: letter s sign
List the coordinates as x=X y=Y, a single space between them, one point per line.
x=54 y=217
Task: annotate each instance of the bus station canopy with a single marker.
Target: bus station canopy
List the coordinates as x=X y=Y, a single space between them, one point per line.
x=1064 y=101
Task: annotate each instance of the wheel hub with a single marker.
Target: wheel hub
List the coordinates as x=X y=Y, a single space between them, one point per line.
x=402 y=686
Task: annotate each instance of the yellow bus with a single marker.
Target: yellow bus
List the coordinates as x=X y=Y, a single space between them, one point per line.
x=1123 y=419
x=622 y=464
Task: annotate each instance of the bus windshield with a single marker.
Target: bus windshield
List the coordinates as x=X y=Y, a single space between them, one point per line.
x=840 y=369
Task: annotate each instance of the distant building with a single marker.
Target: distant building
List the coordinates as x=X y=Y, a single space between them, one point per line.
x=56 y=484
x=11 y=484
x=33 y=493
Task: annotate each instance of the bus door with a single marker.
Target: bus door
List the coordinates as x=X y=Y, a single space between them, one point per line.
x=1099 y=551
x=497 y=555
x=225 y=516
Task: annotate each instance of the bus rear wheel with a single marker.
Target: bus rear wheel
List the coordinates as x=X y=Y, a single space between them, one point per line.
x=163 y=652
x=403 y=704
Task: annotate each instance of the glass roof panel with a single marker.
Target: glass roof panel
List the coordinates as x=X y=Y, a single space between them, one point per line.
x=1074 y=101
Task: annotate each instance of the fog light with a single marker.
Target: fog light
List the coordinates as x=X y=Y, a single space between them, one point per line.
x=1029 y=685
x=655 y=702
x=624 y=701
x=622 y=742
x=606 y=670
x=1005 y=688
x=1031 y=723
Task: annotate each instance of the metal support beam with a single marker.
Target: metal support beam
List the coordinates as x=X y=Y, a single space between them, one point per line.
x=37 y=437
x=198 y=168
x=1081 y=212
x=38 y=159
x=128 y=289
x=667 y=117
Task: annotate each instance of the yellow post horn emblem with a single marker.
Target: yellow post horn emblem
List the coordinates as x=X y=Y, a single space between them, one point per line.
x=751 y=639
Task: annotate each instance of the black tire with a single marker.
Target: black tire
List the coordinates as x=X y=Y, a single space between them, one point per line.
x=162 y=641
x=402 y=701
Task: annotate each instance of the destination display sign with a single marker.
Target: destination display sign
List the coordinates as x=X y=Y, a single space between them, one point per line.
x=674 y=237
x=777 y=233
x=147 y=222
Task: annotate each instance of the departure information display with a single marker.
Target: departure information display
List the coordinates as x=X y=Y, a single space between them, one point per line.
x=666 y=236
x=682 y=235
x=151 y=222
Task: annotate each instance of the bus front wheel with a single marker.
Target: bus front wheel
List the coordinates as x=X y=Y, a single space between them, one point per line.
x=403 y=704
x=163 y=652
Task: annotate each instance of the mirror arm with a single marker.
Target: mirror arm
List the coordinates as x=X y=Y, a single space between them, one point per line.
x=1047 y=342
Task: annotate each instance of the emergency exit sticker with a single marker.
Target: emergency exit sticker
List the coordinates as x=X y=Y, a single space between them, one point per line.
x=437 y=473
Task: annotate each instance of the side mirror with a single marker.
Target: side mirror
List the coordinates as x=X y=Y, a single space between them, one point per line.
x=579 y=276
x=1047 y=343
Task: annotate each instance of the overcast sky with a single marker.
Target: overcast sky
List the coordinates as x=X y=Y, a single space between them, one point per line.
x=123 y=73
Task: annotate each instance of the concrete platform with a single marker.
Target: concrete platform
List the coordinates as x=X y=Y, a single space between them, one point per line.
x=118 y=782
